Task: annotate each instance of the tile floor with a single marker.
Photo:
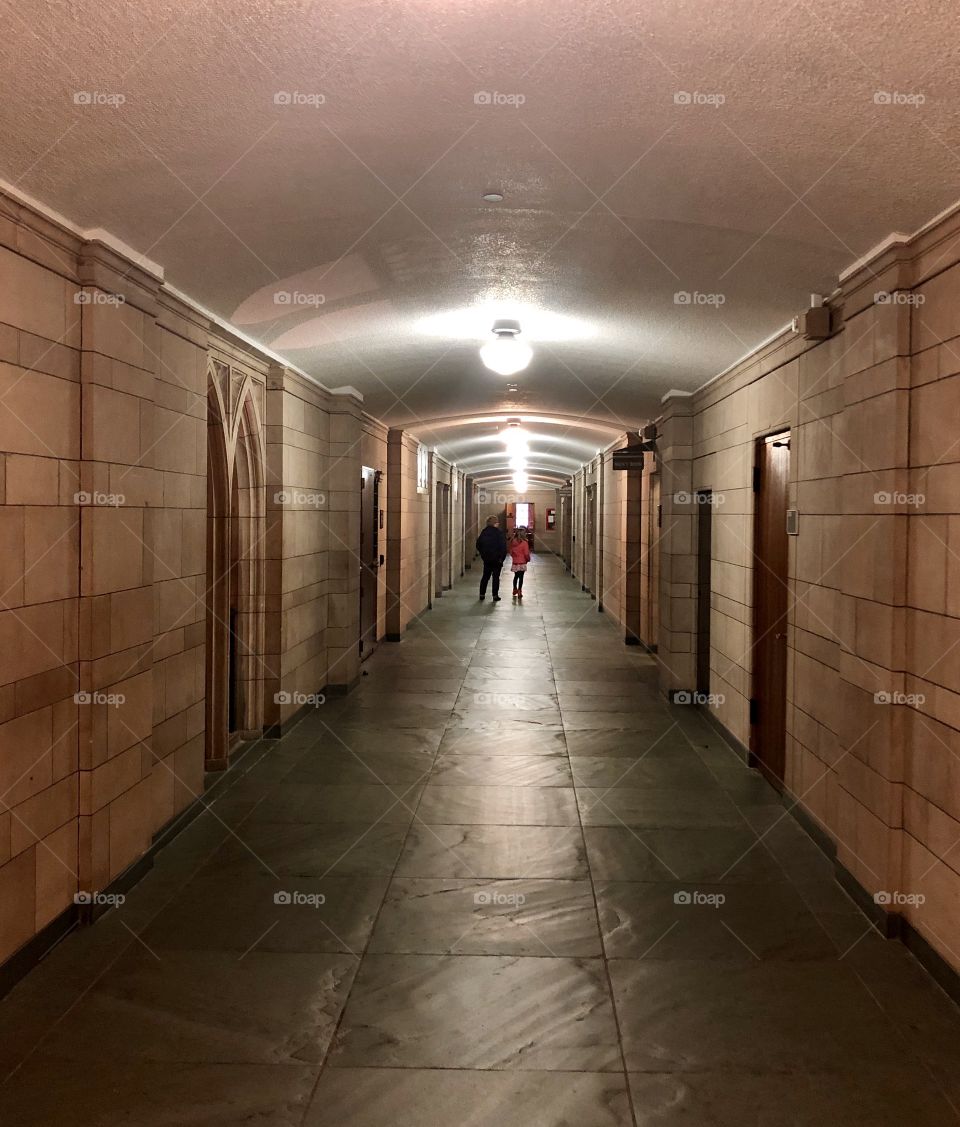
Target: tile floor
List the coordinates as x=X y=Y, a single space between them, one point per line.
x=503 y=884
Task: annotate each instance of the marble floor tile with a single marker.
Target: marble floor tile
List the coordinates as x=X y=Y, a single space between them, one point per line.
x=598 y=772
x=486 y=1012
x=619 y=743
x=498 y=806
x=641 y=720
x=456 y=768
x=268 y=913
x=483 y=917
x=697 y=1016
x=342 y=765
x=321 y=802
x=292 y=849
x=97 y=1093
x=413 y=1097
x=471 y=741
x=863 y=1097
x=494 y=851
x=718 y=854
x=687 y=920
x=207 y=1007
x=656 y=806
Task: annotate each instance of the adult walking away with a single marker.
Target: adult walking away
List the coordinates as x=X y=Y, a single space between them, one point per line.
x=492 y=546
x=519 y=548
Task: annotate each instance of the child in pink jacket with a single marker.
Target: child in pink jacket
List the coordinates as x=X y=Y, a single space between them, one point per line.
x=520 y=556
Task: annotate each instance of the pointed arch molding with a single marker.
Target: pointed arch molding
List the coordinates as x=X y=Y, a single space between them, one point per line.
x=236 y=552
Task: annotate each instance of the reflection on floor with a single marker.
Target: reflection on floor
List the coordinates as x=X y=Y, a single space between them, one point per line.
x=500 y=884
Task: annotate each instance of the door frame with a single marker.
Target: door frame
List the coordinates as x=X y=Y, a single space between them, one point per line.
x=769 y=575
x=704 y=587
x=370 y=479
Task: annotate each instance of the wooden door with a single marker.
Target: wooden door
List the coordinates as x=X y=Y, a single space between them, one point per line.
x=768 y=706
x=590 y=539
x=704 y=587
x=369 y=560
x=653 y=531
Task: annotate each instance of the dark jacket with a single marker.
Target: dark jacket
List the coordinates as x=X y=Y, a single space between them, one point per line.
x=492 y=545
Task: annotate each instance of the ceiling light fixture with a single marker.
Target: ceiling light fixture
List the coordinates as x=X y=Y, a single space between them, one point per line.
x=520 y=482
x=493 y=197
x=506 y=355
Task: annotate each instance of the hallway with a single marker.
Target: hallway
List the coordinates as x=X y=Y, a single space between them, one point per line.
x=501 y=883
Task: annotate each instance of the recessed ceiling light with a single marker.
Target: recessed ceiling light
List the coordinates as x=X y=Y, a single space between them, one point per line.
x=493 y=197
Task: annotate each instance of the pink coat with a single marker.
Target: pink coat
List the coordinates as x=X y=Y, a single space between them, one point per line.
x=519 y=551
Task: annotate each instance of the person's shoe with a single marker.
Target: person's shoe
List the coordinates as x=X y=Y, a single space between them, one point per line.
x=519 y=594
x=482 y=597
x=496 y=598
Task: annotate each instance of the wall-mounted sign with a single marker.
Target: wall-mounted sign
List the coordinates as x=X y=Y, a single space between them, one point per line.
x=628 y=458
x=551 y=518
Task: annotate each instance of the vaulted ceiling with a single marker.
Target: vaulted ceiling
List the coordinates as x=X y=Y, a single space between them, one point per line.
x=740 y=152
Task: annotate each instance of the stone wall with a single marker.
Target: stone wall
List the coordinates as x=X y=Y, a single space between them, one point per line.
x=874 y=591
x=112 y=388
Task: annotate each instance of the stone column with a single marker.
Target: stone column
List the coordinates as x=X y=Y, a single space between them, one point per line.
x=868 y=555
x=676 y=645
x=341 y=520
x=124 y=546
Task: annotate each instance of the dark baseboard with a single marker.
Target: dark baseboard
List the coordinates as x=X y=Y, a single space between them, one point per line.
x=891 y=925
x=276 y=731
x=32 y=952
x=83 y=915
x=392 y=637
x=340 y=690
x=121 y=884
x=742 y=751
x=946 y=977
x=631 y=640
